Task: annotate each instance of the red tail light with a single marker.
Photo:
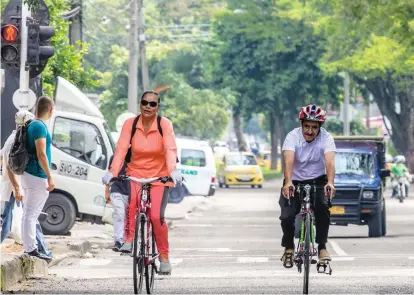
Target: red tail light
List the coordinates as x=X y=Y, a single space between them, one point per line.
x=213 y=180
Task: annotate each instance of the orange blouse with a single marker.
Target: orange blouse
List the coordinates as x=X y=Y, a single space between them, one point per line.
x=153 y=155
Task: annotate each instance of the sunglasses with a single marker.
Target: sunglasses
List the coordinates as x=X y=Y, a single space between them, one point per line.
x=153 y=104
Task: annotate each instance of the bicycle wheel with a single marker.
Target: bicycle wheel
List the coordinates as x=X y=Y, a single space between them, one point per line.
x=307 y=254
x=151 y=253
x=138 y=261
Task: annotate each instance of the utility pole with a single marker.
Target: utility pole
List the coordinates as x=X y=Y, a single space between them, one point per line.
x=75 y=28
x=141 y=38
x=133 y=60
x=346 y=104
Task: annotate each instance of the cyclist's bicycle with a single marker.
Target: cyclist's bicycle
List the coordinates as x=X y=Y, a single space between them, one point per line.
x=144 y=250
x=306 y=250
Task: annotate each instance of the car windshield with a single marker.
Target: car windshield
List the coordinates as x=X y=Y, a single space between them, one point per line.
x=241 y=160
x=354 y=163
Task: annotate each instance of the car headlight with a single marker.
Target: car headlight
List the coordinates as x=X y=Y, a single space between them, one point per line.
x=368 y=195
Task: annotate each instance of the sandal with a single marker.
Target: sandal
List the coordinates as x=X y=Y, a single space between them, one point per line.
x=287 y=259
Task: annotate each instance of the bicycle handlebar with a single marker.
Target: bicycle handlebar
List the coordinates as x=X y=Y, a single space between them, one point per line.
x=163 y=179
x=291 y=193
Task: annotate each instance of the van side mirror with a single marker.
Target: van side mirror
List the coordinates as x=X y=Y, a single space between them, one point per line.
x=385 y=173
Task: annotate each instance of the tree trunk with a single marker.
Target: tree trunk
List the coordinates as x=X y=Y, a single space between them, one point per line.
x=282 y=138
x=386 y=94
x=275 y=135
x=238 y=130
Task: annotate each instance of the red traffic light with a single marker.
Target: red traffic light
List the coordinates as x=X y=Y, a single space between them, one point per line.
x=9 y=33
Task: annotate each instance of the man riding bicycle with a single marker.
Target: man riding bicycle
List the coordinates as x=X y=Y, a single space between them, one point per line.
x=309 y=155
x=152 y=155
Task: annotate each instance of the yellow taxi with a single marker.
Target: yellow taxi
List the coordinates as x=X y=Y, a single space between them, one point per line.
x=265 y=160
x=240 y=168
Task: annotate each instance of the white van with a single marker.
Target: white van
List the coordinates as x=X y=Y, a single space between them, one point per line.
x=81 y=148
x=198 y=166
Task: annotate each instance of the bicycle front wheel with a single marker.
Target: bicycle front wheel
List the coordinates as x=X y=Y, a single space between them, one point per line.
x=151 y=253
x=307 y=253
x=138 y=254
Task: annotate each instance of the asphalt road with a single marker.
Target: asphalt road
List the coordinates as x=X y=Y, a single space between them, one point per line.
x=233 y=247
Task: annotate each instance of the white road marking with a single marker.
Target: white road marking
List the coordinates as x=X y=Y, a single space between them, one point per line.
x=176 y=261
x=337 y=249
x=342 y=258
x=412 y=258
x=252 y=259
x=209 y=249
x=192 y=225
x=94 y=262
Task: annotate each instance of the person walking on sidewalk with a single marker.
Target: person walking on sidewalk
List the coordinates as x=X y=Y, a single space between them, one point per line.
x=154 y=154
x=37 y=179
x=118 y=193
x=11 y=189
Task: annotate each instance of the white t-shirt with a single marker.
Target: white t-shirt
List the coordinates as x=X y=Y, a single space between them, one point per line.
x=6 y=187
x=309 y=157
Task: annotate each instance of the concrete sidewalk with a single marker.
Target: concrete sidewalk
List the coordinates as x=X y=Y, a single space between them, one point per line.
x=84 y=240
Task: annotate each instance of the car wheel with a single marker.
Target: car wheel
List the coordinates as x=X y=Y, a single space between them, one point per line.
x=61 y=215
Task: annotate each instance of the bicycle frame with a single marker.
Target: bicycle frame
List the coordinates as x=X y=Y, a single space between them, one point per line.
x=305 y=210
x=142 y=213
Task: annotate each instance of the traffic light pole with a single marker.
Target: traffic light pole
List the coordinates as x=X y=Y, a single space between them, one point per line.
x=24 y=71
x=133 y=61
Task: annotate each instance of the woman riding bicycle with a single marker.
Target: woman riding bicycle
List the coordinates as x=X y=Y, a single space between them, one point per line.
x=153 y=155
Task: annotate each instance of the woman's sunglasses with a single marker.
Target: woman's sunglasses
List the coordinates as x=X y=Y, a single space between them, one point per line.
x=153 y=104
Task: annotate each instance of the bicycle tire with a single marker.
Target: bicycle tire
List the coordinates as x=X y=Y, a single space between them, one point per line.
x=138 y=261
x=307 y=254
x=151 y=252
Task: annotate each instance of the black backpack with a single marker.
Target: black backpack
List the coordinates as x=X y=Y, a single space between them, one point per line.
x=19 y=154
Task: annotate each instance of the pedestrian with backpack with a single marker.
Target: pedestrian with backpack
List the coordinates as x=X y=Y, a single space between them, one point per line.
x=37 y=179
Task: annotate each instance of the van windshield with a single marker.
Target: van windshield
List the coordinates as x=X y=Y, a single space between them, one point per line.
x=354 y=163
x=111 y=140
x=241 y=160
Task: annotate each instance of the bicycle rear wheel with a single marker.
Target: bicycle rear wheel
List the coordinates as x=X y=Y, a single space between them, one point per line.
x=138 y=254
x=307 y=253
x=151 y=253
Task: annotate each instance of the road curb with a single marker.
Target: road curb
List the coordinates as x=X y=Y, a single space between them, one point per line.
x=22 y=267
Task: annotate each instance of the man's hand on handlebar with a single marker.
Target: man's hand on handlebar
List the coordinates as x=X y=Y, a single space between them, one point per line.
x=286 y=190
x=329 y=190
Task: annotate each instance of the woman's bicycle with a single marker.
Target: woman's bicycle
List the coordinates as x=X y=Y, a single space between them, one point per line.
x=306 y=248
x=144 y=250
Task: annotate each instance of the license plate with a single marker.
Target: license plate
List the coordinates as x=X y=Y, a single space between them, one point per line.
x=337 y=210
x=73 y=170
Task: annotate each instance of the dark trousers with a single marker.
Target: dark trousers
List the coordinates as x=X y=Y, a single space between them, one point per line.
x=319 y=205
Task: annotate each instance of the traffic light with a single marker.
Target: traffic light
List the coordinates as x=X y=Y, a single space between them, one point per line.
x=37 y=43
x=32 y=44
x=10 y=44
x=38 y=47
x=45 y=50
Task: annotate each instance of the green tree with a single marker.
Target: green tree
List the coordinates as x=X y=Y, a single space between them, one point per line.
x=373 y=41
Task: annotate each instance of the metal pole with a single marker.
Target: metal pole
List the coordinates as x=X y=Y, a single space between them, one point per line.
x=133 y=61
x=346 y=104
x=24 y=74
x=141 y=36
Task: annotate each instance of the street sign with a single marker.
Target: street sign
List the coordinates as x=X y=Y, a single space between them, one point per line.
x=24 y=100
